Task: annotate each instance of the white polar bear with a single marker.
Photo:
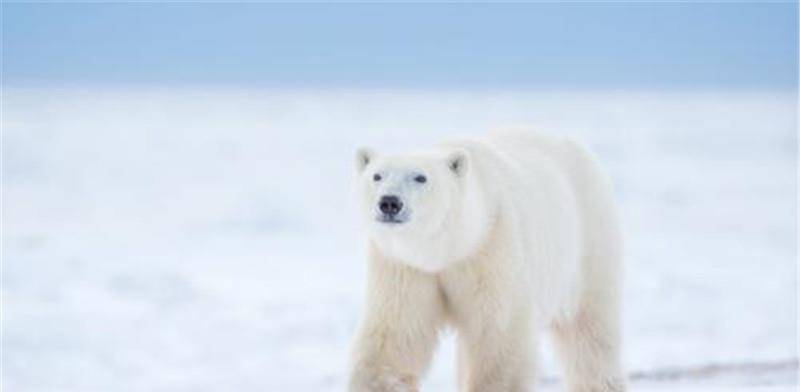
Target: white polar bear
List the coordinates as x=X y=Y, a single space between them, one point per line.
x=499 y=238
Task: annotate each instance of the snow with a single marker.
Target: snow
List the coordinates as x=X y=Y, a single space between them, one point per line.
x=204 y=239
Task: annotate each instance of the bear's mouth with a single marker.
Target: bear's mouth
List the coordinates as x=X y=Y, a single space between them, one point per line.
x=389 y=219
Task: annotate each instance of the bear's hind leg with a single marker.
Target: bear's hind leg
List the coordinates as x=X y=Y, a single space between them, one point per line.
x=588 y=347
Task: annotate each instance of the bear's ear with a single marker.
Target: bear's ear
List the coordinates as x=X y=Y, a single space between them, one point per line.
x=363 y=157
x=457 y=162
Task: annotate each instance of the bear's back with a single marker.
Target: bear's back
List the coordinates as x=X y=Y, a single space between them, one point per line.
x=590 y=190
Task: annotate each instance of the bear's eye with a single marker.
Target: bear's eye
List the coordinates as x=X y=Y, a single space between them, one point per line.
x=376 y=177
x=420 y=179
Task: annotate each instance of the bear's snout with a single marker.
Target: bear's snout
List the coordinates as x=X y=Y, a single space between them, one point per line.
x=390 y=205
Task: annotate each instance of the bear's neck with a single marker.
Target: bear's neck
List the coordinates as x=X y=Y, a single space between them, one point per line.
x=461 y=236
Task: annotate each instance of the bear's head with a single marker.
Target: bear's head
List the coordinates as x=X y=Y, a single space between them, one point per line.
x=424 y=209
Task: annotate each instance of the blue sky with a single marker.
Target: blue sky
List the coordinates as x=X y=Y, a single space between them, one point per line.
x=533 y=45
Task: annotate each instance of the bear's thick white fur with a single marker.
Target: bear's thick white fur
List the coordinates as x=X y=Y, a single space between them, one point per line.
x=508 y=236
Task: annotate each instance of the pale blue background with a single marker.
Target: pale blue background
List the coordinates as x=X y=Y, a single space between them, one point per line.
x=178 y=208
x=568 y=45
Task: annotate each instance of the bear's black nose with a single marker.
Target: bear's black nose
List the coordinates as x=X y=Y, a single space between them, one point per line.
x=390 y=205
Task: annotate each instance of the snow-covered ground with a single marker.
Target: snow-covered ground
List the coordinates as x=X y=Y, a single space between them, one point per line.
x=205 y=239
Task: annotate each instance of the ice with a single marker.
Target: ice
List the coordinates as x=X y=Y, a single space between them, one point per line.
x=183 y=239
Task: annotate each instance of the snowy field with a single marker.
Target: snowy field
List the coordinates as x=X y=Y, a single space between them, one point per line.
x=205 y=240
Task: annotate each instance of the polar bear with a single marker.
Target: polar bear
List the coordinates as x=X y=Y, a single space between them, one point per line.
x=499 y=238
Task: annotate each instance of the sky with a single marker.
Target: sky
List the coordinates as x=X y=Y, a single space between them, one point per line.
x=520 y=45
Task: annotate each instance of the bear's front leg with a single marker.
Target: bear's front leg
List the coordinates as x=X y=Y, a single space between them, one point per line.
x=490 y=306
x=400 y=330
x=496 y=358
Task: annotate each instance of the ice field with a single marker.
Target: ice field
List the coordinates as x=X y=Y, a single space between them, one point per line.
x=206 y=239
